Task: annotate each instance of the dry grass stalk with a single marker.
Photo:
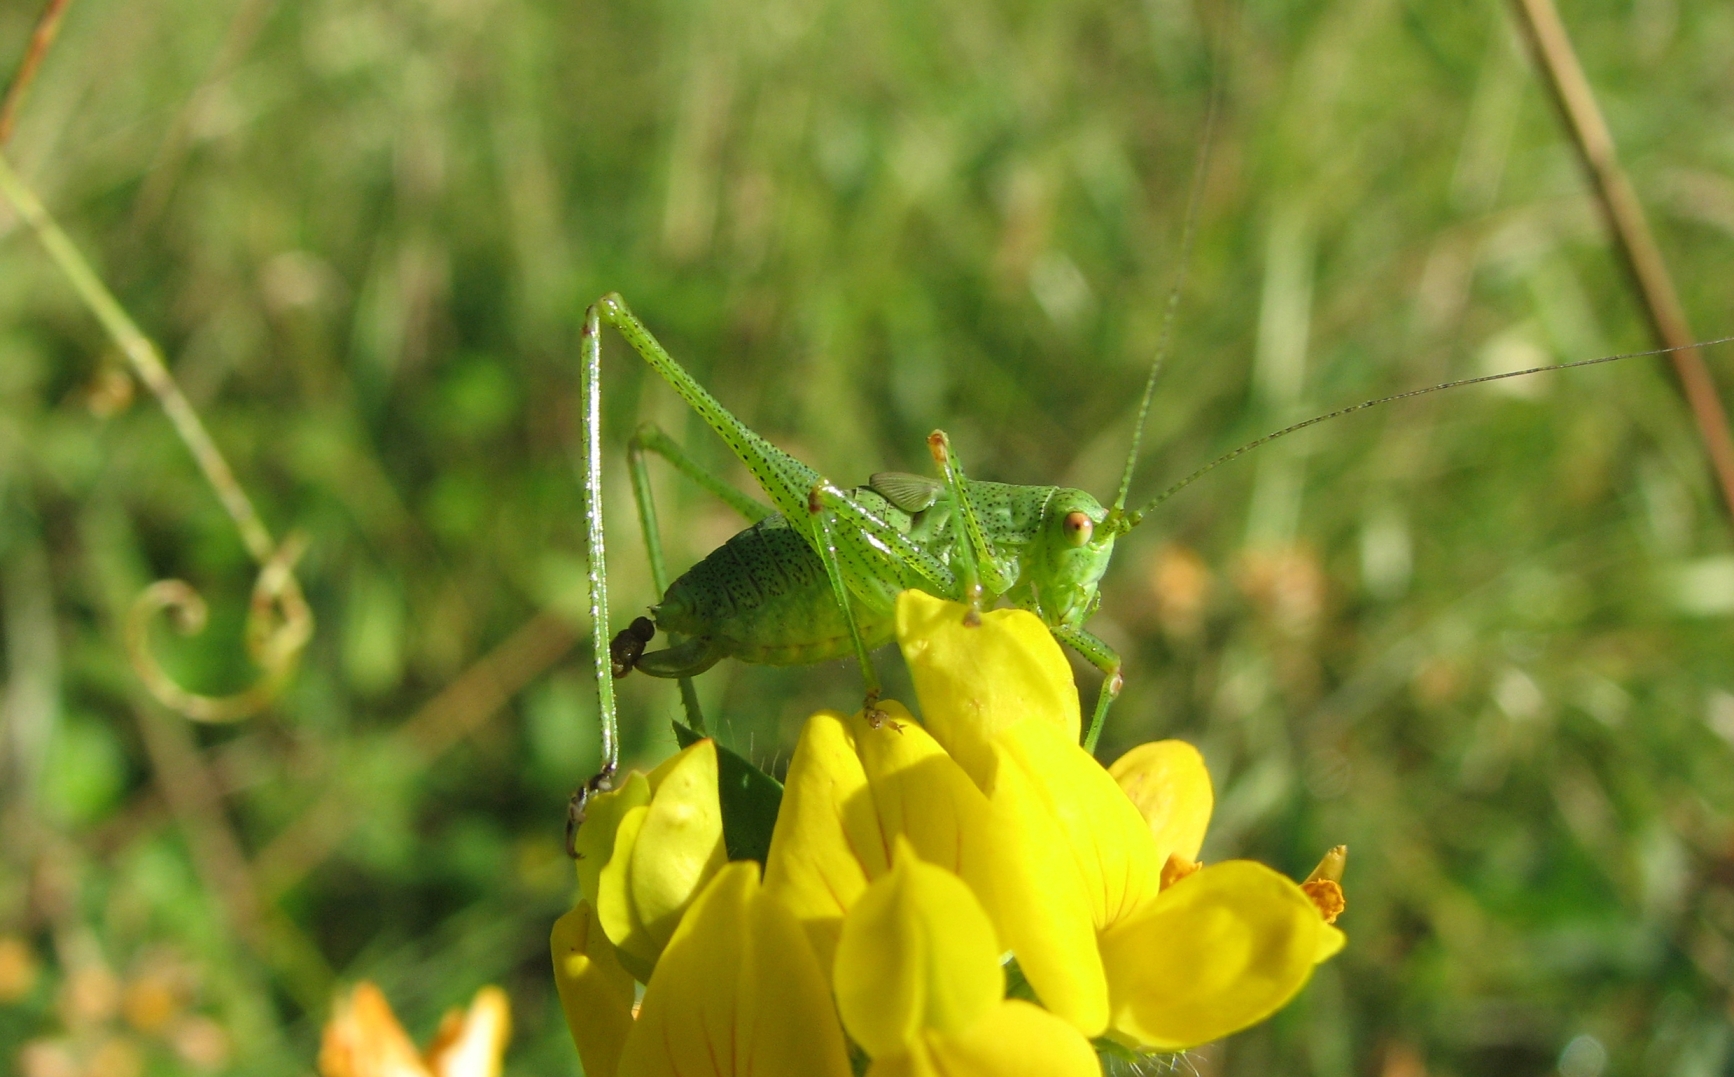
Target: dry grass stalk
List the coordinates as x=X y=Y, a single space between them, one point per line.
x=41 y=39
x=1637 y=244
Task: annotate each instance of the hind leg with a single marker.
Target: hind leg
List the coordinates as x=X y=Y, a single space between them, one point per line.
x=650 y=438
x=596 y=571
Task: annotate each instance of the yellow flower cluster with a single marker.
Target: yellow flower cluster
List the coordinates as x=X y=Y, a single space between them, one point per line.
x=910 y=862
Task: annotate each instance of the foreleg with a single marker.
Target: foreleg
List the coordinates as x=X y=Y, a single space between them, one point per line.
x=1101 y=656
x=979 y=563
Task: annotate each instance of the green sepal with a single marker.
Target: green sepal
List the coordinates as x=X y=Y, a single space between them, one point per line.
x=749 y=799
x=1016 y=985
x=1119 y=1060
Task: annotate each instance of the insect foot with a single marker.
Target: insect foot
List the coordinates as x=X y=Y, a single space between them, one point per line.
x=601 y=783
x=628 y=645
x=875 y=715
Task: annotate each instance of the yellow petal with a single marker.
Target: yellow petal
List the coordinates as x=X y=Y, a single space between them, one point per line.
x=1109 y=839
x=916 y=1063
x=595 y=992
x=595 y=839
x=663 y=851
x=1167 y=782
x=1331 y=942
x=974 y=681
x=737 y=993
x=1045 y=911
x=826 y=844
x=681 y=844
x=1013 y=1039
x=917 y=952
x=921 y=795
x=470 y=1044
x=615 y=910
x=363 y=1039
x=1220 y=950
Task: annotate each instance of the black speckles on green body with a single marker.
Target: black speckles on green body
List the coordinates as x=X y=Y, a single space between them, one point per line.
x=762 y=597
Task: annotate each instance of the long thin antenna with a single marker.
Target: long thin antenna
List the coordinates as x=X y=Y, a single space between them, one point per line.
x=1187 y=235
x=1137 y=516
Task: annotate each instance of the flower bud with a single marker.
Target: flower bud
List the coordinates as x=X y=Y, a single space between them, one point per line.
x=646 y=848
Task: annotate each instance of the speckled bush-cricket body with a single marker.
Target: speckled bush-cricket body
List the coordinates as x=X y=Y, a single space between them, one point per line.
x=815 y=575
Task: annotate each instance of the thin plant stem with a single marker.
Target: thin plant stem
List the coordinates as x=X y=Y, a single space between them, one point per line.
x=146 y=361
x=1637 y=244
x=41 y=39
x=274 y=646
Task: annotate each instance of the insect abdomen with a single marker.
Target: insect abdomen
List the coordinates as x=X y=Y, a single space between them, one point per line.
x=763 y=597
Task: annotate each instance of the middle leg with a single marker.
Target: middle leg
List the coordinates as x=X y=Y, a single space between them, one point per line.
x=628 y=647
x=979 y=566
x=820 y=508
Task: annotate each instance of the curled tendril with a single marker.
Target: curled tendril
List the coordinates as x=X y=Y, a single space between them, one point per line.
x=279 y=624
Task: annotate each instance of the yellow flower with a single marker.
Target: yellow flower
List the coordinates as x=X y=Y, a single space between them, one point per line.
x=647 y=847
x=1215 y=951
x=739 y=992
x=364 y=1039
x=907 y=862
x=920 y=987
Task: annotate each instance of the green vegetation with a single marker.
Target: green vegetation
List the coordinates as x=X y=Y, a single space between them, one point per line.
x=1482 y=638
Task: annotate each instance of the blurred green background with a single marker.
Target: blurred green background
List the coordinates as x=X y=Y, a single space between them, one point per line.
x=1482 y=638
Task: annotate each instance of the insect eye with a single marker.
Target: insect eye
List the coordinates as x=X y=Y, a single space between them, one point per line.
x=1078 y=528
